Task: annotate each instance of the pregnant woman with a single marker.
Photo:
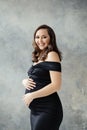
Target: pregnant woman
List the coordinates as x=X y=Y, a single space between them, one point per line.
x=44 y=82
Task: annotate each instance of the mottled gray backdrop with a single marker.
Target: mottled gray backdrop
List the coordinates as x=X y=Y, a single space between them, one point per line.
x=18 y=20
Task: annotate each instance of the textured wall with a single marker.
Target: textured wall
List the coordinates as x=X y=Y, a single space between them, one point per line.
x=18 y=20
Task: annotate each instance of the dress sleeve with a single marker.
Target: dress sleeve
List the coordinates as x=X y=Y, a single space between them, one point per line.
x=53 y=66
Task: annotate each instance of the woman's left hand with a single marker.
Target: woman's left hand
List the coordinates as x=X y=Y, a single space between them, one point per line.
x=27 y=98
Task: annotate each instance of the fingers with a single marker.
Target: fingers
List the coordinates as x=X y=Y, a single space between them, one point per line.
x=27 y=98
x=25 y=101
x=29 y=83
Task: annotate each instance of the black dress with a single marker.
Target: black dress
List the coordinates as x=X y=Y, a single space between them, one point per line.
x=46 y=112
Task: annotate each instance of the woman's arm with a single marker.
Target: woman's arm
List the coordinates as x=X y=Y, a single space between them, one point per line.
x=54 y=86
x=55 y=79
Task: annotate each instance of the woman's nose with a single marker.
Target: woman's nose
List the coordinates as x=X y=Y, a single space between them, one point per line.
x=40 y=39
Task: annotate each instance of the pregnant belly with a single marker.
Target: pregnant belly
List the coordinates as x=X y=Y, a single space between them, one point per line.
x=38 y=86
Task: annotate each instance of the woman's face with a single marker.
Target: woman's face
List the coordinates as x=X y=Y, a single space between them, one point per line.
x=42 y=38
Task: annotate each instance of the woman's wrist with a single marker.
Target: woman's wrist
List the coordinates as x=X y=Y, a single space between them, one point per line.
x=33 y=95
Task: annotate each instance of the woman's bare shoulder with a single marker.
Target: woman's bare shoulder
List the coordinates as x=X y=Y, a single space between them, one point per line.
x=53 y=56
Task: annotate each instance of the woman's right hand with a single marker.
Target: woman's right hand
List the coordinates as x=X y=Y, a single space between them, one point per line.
x=28 y=83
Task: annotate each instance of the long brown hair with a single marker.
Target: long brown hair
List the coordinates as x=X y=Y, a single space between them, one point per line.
x=38 y=54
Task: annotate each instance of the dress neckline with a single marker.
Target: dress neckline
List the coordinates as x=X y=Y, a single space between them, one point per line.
x=45 y=62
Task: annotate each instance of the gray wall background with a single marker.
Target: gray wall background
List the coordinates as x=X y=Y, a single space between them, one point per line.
x=18 y=20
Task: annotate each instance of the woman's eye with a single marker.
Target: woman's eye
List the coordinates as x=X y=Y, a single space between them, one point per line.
x=44 y=37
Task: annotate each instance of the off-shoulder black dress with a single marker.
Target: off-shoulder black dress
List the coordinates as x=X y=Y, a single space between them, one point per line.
x=46 y=112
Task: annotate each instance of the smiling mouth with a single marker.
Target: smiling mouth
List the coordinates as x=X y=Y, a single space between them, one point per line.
x=41 y=44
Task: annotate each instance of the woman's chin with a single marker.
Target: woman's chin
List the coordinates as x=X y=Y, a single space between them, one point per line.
x=41 y=48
